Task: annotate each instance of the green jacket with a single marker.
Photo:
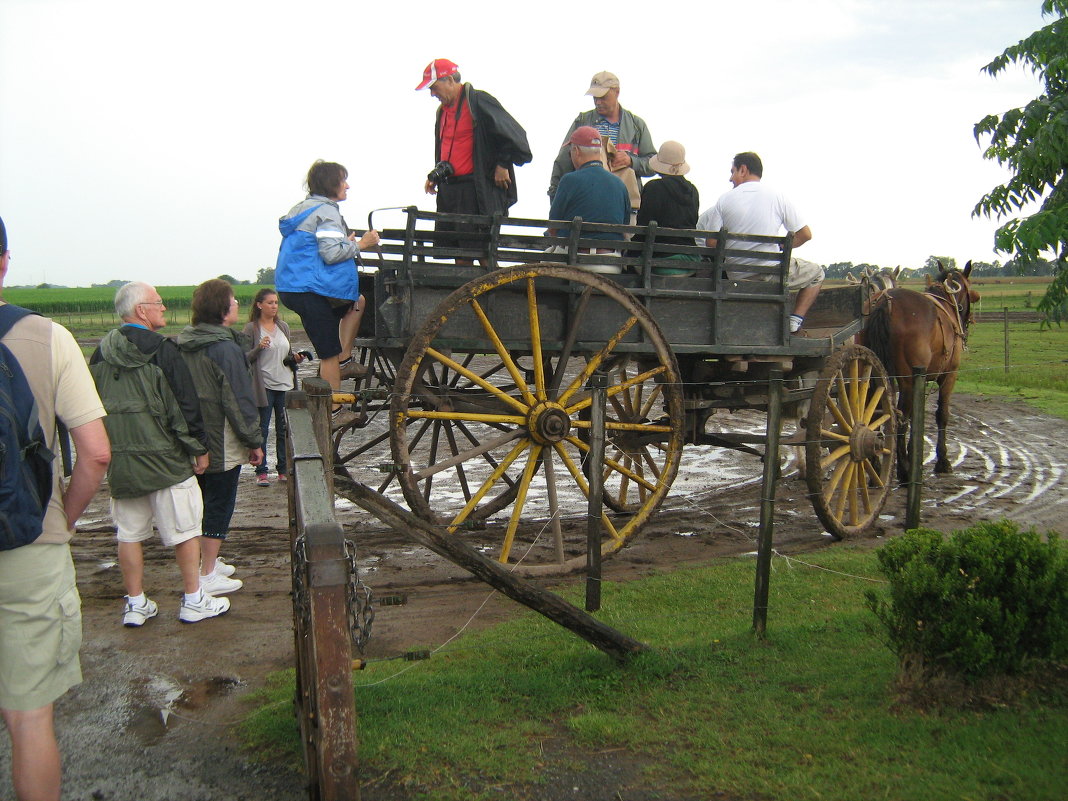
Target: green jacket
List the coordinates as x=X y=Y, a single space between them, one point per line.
x=634 y=138
x=151 y=447
x=223 y=382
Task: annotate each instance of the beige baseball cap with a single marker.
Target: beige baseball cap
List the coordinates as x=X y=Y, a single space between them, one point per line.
x=601 y=83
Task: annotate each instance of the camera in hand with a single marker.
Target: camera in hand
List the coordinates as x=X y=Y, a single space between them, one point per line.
x=442 y=171
x=291 y=363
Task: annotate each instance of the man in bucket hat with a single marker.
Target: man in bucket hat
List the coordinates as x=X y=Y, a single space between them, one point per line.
x=477 y=144
x=626 y=131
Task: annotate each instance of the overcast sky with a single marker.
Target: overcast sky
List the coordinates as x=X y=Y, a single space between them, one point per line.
x=162 y=141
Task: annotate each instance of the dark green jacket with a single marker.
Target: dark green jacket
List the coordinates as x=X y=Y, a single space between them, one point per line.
x=216 y=360
x=151 y=447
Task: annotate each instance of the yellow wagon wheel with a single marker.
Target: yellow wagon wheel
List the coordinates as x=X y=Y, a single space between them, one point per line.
x=851 y=441
x=490 y=414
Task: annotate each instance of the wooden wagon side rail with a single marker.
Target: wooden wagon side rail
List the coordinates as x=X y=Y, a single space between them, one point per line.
x=504 y=241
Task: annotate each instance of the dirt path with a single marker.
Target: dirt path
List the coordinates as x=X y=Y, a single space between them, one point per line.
x=151 y=721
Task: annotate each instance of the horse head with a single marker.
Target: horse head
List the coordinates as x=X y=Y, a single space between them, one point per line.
x=956 y=286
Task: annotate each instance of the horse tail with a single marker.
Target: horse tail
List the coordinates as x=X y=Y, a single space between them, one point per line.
x=877 y=335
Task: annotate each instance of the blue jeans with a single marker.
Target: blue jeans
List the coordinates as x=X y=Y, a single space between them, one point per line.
x=220 y=496
x=276 y=402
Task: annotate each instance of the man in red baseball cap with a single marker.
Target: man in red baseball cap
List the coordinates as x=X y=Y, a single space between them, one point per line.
x=477 y=144
x=590 y=191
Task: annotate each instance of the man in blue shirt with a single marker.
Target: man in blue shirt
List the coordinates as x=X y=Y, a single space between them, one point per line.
x=590 y=192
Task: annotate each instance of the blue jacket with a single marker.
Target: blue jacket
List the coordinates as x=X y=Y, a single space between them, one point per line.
x=316 y=255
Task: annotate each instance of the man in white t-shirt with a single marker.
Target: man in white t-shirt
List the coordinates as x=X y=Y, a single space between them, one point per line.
x=752 y=208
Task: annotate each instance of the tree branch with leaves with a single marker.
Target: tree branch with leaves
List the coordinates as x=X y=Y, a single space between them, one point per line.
x=1033 y=142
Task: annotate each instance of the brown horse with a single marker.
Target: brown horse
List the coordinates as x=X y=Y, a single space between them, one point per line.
x=923 y=329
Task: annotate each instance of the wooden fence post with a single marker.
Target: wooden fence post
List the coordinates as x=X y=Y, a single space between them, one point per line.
x=767 y=504
x=919 y=396
x=322 y=576
x=598 y=383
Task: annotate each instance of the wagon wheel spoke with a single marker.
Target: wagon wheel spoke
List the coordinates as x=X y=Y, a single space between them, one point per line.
x=554 y=505
x=851 y=459
x=507 y=472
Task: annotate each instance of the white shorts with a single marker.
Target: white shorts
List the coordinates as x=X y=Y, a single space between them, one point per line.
x=803 y=274
x=177 y=512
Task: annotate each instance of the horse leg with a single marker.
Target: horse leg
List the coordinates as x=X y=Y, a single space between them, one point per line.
x=945 y=389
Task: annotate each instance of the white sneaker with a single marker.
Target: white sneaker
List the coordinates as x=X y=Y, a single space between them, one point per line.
x=219 y=585
x=223 y=569
x=135 y=616
x=209 y=606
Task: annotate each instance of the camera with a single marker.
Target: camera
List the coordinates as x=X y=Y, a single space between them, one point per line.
x=292 y=363
x=442 y=171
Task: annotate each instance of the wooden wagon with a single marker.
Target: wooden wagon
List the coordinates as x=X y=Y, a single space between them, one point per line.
x=480 y=378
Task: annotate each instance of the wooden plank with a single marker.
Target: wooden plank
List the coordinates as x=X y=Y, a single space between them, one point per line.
x=614 y=643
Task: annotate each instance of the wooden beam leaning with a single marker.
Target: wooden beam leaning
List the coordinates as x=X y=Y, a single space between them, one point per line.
x=614 y=643
x=321 y=571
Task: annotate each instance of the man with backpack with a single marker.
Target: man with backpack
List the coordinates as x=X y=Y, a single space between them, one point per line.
x=158 y=444
x=40 y=610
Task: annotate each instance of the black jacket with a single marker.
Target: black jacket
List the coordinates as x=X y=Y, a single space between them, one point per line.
x=672 y=202
x=499 y=140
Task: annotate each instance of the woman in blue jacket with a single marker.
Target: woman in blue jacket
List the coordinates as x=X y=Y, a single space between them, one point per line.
x=317 y=275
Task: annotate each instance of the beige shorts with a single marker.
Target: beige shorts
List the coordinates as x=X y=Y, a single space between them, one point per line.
x=177 y=512
x=803 y=274
x=40 y=626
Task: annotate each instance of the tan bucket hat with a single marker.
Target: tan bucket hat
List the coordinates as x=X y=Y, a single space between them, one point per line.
x=670 y=159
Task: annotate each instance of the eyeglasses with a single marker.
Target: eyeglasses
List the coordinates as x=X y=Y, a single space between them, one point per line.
x=151 y=303
x=234 y=302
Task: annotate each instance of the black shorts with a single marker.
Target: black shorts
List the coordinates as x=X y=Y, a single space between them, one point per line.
x=459 y=197
x=320 y=320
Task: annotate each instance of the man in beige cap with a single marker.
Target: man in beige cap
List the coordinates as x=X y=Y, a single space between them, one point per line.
x=626 y=131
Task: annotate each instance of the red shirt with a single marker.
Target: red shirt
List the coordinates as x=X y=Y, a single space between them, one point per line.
x=457 y=138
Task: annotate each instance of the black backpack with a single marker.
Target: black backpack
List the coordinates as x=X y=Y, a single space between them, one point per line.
x=25 y=460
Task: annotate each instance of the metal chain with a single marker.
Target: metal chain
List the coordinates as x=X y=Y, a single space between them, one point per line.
x=361 y=606
x=301 y=599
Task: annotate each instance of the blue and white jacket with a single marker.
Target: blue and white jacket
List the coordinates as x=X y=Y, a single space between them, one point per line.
x=316 y=255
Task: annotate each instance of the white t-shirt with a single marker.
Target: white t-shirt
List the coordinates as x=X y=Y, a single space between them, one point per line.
x=276 y=375
x=752 y=208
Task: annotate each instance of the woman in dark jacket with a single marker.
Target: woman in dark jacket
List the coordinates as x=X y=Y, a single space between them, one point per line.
x=671 y=202
x=231 y=420
x=274 y=370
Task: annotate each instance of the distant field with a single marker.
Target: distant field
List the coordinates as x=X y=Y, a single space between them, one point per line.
x=100 y=299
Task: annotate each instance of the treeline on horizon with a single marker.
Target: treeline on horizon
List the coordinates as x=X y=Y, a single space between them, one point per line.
x=56 y=299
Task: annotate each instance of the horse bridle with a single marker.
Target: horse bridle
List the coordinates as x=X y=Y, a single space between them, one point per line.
x=953 y=292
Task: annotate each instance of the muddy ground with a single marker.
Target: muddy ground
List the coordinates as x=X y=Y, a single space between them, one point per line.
x=152 y=720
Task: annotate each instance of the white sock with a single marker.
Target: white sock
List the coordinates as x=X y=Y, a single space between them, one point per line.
x=194 y=597
x=137 y=600
x=795 y=323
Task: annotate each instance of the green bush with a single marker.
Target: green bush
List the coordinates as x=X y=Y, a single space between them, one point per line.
x=985 y=601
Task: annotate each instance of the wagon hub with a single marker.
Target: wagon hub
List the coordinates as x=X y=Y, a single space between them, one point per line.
x=548 y=423
x=864 y=443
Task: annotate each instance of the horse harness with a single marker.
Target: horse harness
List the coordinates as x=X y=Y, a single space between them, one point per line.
x=947 y=304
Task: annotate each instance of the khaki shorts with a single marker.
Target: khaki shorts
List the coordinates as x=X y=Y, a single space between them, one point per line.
x=176 y=510
x=40 y=626
x=803 y=274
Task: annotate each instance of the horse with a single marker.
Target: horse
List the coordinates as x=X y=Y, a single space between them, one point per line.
x=926 y=329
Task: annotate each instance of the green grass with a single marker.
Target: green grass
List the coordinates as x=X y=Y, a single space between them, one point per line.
x=1038 y=364
x=806 y=714
x=98 y=299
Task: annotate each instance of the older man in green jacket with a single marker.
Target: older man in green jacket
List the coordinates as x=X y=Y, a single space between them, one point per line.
x=154 y=456
x=626 y=131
